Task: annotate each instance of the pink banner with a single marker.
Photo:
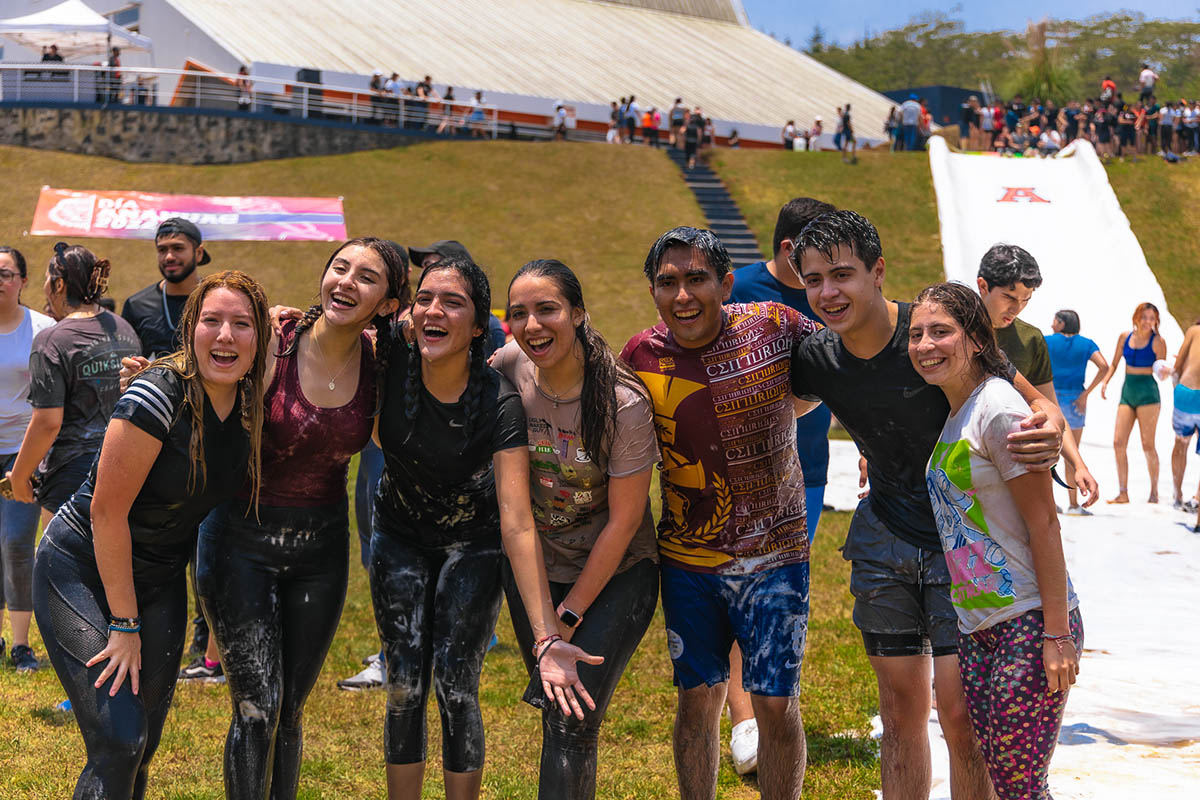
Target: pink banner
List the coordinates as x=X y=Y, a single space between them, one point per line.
x=136 y=215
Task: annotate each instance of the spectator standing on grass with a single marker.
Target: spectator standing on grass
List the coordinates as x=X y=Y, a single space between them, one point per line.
x=891 y=127
x=814 y=135
x=849 y=142
x=1070 y=354
x=910 y=118
x=633 y=115
x=475 y=119
x=613 y=136
x=788 y=134
x=837 y=130
x=1146 y=80
x=1185 y=419
x=968 y=122
x=19 y=326
x=777 y=281
x=1108 y=90
x=650 y=122
x=1140 y=400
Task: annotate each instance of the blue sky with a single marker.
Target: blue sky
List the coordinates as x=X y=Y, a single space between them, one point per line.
x=845 y=22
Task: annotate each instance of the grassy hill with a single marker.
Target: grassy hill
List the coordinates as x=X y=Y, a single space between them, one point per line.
x=895 y=191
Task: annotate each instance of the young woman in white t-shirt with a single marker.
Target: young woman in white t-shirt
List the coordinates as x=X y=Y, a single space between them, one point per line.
x=1020 y=631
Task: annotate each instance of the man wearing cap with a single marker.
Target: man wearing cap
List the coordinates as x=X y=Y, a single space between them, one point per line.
x=449 y=248
x=154 y=312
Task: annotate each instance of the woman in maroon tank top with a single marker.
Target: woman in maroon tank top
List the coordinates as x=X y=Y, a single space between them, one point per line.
x=272 y=578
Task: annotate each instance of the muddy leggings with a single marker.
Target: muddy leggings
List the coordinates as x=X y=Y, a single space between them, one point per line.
x=436 y=608
x=120 y=733
x=612 y=627
x=1013 y=715
x=273 y=590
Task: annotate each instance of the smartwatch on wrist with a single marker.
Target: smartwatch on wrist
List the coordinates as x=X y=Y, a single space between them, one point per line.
x=568 y=617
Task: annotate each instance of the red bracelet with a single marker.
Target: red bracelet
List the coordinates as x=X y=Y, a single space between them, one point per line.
x=547 y=641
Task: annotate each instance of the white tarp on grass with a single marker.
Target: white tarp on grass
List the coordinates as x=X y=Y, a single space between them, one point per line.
x=1132 y=726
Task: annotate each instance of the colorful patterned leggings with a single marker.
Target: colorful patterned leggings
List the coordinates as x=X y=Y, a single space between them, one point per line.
x=1012 y=713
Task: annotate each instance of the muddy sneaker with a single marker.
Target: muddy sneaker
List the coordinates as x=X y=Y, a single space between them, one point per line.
x=201 y=669
x=743 y=745
x=1077 y=511
x=23 y=658
x=369 y=678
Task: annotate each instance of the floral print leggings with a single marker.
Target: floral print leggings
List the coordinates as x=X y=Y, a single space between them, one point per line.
x=1014 y=716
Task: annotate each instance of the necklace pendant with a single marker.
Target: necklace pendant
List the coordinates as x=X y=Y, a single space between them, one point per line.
x=331 y=386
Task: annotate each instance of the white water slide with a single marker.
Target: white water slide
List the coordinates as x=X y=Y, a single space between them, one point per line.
x=1132 y=726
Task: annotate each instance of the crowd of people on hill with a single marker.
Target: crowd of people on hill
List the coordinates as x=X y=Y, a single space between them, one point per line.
x=203 y=427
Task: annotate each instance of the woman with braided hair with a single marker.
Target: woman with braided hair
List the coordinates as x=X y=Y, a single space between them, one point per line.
x=73 y=379
x=591 y=432
x=109 y=590
x=272 y=575
x=455 y=487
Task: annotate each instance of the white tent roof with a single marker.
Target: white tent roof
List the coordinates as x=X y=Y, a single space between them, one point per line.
x=75 y=28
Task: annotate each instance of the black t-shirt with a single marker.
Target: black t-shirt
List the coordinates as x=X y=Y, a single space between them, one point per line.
x=75 y=365
x=847 y=128
x=694 y=130
x=155 y=315
x=892 y=414
x=438 y=486
x=166 y=513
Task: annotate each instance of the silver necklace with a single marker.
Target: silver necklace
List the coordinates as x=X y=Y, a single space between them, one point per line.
x=332 y=385
x=549 y=390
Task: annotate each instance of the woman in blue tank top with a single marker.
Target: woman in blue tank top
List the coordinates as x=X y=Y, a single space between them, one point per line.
x=1140 y=401
x=1070 y=354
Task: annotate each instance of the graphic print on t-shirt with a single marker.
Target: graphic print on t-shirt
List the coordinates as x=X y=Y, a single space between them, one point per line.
x=733 y=490
x=979 y=575
x=560 y=463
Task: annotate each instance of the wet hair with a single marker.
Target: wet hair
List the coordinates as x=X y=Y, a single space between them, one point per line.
x=1008 y=264
x=1069 y=320
x=966 y=308
x=704 y=241
x=794 y=217
x=602 y=372
x=1137 y=312
x=481 y=298
x=838 y=229
x=395 y=264
x=84 y=276
x=18 y=260
x=184 y=363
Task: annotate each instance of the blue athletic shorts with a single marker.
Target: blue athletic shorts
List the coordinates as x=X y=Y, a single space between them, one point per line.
x=766 y=612
x=1066 y=404
x=1186 y=417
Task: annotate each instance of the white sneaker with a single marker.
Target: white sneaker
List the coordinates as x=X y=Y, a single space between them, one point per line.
x=743 y=744
x=370 y=678
x=1077 y=511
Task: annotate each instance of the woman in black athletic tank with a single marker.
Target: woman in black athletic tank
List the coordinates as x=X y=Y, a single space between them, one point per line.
x=109 y=591
x=455 y=487
x=273 y=582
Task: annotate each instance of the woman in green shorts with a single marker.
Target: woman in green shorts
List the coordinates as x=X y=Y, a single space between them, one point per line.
x=1140 y=348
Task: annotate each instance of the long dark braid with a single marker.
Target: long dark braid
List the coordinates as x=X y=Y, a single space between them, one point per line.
x=602 y=372
x=395 y=261
x=481 y=299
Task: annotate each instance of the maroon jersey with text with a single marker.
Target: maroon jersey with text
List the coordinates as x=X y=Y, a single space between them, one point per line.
x=732 y=488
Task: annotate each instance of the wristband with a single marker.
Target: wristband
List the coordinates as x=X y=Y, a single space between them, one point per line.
x=547 y=641
x=125 y=622
x=1061 y=638
x=125 y=628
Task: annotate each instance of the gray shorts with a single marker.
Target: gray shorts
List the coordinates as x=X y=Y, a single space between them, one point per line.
x=901 y=592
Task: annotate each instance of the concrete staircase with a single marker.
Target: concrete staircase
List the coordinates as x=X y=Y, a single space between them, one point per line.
x=724 y=217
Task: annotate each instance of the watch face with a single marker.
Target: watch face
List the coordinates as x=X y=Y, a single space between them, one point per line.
x=569 y=618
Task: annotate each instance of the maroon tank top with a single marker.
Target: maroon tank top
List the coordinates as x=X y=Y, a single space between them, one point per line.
x=306 y=449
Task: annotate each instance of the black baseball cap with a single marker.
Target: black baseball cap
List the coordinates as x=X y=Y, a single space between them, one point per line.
x=446 y=248
x=174 y=225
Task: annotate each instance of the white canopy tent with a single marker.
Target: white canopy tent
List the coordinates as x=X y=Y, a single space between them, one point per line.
x=76 y=29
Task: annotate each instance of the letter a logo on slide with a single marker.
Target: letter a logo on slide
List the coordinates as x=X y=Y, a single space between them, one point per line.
x=1014 y=193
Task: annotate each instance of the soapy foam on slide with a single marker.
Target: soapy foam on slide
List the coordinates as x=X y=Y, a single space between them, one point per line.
x=1132 y=725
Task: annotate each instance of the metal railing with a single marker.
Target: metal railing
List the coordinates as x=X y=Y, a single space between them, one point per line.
x=176 y=88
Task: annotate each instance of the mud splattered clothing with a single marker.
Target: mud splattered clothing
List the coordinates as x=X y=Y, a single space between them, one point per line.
x=74 y=366
x=733 y=489
x=733 y=495
x=569 y=492
x=273 y=582
x=435 y=558
x=995 y=593
x=1015 y=717
x=122 y=732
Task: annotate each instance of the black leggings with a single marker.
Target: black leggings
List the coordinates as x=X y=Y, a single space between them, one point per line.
x=120 y=733
x=436 y=608
x=273 y=591
x=613 y=627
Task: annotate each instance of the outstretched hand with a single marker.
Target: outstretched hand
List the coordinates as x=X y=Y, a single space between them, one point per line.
x=560 y=680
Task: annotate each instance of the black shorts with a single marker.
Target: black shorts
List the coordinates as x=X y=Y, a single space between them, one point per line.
x=901 y=592
x=689 y=148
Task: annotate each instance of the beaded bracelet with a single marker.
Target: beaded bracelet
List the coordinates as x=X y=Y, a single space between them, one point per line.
x=1059 y=641
x=547 y=641
x=128 y=622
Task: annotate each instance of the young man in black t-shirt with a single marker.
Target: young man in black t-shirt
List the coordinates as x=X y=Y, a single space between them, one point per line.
x=154 y=311
x=859 y=366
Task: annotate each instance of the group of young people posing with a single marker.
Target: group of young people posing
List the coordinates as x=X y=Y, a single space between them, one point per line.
x=529 y=478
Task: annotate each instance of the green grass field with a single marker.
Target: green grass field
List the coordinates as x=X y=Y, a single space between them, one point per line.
x=598 y=209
